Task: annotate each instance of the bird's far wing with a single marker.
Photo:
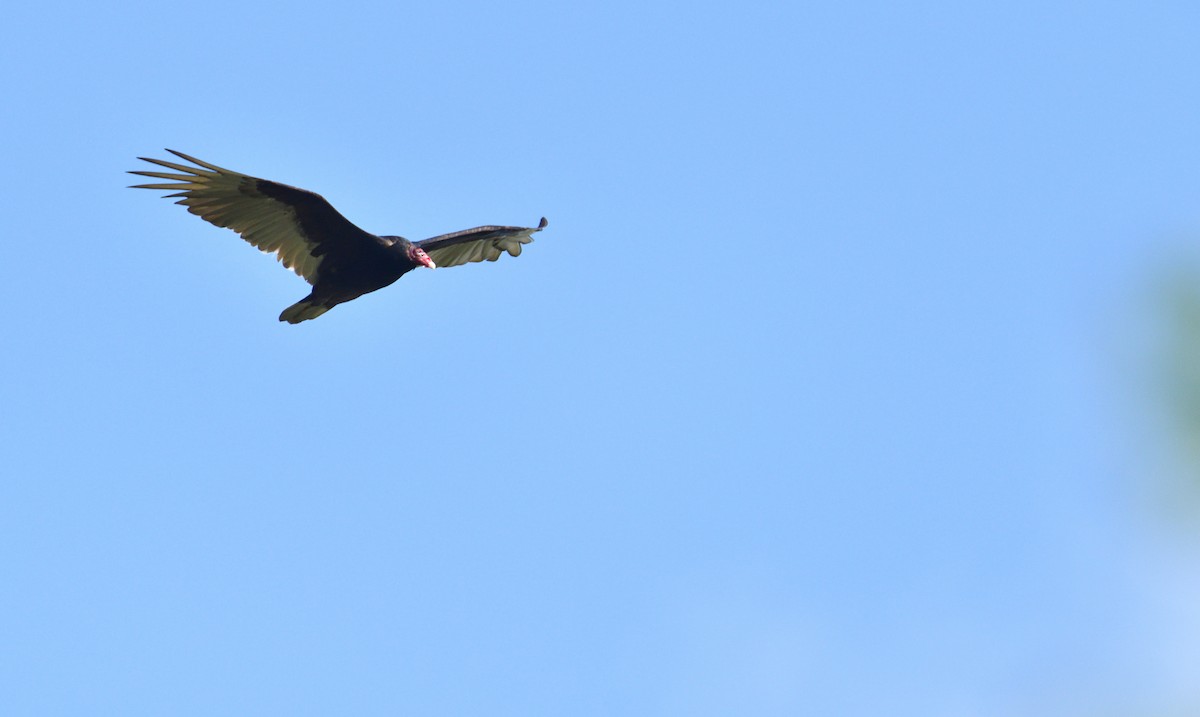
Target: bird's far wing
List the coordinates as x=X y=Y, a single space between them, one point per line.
x=478 y=244
x=296 y=225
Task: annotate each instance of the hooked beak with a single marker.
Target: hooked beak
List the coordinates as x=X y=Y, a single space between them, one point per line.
x=423 y=258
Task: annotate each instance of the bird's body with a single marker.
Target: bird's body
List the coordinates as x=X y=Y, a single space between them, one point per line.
x=310 y=237
x=342 y=279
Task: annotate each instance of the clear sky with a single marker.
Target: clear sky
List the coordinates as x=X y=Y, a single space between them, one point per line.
x=814 y=398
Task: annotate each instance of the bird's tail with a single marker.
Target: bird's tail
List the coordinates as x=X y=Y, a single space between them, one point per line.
x=303 y=310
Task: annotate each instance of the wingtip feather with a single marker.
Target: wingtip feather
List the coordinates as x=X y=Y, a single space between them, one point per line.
x=154 y=186
x=195 y=161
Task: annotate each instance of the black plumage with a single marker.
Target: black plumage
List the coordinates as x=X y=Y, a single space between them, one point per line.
x=310 y=237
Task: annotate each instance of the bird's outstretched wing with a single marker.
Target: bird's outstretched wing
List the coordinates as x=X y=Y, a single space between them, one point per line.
x=478 y=244
x=296 y=225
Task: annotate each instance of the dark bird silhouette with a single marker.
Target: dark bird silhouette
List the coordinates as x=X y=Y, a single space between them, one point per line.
x=310 y=237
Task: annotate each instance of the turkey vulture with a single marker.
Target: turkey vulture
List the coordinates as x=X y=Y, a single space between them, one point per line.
x=310 y=237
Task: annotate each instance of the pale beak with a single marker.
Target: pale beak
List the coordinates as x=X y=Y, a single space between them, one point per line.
x=429 y=263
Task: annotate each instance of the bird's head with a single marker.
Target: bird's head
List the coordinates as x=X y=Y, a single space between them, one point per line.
x=418 y=256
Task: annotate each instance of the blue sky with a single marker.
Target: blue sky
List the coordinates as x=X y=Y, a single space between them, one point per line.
x=815 y=397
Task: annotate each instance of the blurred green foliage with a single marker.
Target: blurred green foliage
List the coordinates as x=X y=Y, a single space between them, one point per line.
x=1178 y=365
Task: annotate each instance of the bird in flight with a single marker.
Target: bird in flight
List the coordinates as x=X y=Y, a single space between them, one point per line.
x=310 y=237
